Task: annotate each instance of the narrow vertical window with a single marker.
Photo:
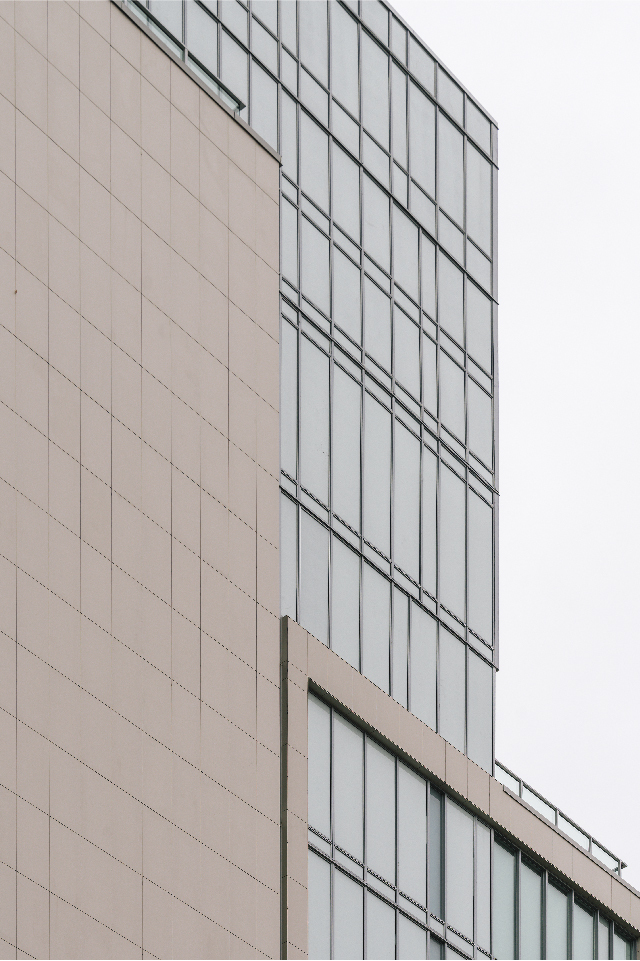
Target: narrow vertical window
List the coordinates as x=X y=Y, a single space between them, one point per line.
x=314 y=420
x=381 y=812
x=375 y=627
x=314 y=578
x=348 y=784
x=319 y=907
x=319 y=766
x=451 y=541
x=557 y=918
x=423 y=666
x=406 y=522
x=345 y=603
x=412 y=834
x=504 y=904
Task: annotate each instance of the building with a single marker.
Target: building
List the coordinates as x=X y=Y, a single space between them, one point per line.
x=248 y=259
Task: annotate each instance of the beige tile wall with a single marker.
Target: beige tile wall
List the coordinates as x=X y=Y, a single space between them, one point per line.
x=139 y=644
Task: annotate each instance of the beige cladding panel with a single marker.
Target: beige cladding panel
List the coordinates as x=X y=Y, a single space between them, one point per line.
x=139 y=367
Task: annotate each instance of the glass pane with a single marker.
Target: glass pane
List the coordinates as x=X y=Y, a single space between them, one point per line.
x=344 y=59
x=450 y=164
x=479 y=326
x=319 y=766
x=452 y=689
x=375 y=15
x=412 y=834
x=267 y=10
x=450 y=298
x=345 y=604
x=234 y=16
x=483 y=883
x=202 y=32
x=348 y=783
x=530 y=913
x=480 y=567
x=412 y=940
x=288 y=556
x=381 y=812
x=346 y=448
x=621 y=947
x=459 y=883
x=375 y=90
x=406 y=501
x=375 y=627
x=479 y=199
x=504 y=898
x=435 y=855
x=405 y=252
x=603 y=938
x=450 y=96
x=375 y=227
x=314 y=97
x=452 y=396
x=399 y=113
x=314 y=161
x=288 y=398
x=480 y=719
x=400 y=646
x=381 y=928
x=314 y=420
x=289 y=139
x=264 y=105
x=314 y=578
x=346 y=296
x=480 y=424
x=347 y=909
x=429 y=378
x=377 y=474
x=319 y=907
x=422 y=139
x=421 y=64
x=451 y=538
x=429 y=483
x=264 y=47
x=288 y=23
x=428 y=277
x=478 y=127
x=377 y=324
x=557 y=905
x=436 y=948
x=423 y=666
x=234 y=66
x=583 y=929
x=314 y=272
x=313 y=38
x=289 y=242
x=422 y=208
x=346 y=192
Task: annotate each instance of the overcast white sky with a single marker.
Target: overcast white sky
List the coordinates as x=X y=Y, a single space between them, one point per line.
x=563 y=81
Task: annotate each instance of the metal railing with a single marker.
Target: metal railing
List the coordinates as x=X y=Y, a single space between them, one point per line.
x=553 y=814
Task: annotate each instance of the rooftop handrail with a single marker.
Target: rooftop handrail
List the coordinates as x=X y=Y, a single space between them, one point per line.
x=553 y=814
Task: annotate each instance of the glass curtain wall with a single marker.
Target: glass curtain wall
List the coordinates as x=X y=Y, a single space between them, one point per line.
x=397 y=869
x=388 y=457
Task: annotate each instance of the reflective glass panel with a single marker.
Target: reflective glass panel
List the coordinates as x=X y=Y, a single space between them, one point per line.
x=428 y=277
x=381 y=928
x=452 y=396
x=406 y=523
x=267 y=10
x=400 y=646
x=313 y=38
x=429 y=483
x=459 y=885
x=344 y=59
x=603 y=939
x=346 y=448
x=319 y=907
x=405 y=252
x=233 y=71
x=621 y=947
x=450 y=96
x=557 y=908
x=504 y=904
x=480 y=708
x=264 y=105
x=289 y=139
x=399 y=112
x=530 y=912
x=288 y=556
x=375 y=15
x=377 y=480
x=345 y=604
x=479 y=326
x=483 y=886
x=288 y=23
x=202 y=32
x=288 y=398
x=346 y=296
x=480 y=424
x=412 y=940
x=381 y=811
x=348 y=784
x=377 y=324
x=429 y=379
x=346 y=193
x=450 y=298
x=479 y=199
x=314 y=161
x=451 y=693
x=314 y=270
x=583 y=931
x=375 y=90
x=375 y=627
x=423 y=666
x=450 y=166
x=347 y=910
x=480 y=614
x=422 y=140
x=234 y=16
x=264 y=47
x=319 y=766
x=289 y=242
x=412 y=834
x=314 y=420
x=436 y=905
x=421 y=64
x=478 y=127
x=314 y=578
x=375 y=227
x=451 y=541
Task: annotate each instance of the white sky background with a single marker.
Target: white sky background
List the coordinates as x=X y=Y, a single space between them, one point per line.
x=563 y=82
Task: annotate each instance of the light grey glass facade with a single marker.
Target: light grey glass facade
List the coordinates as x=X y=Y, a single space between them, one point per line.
x=398 y=869
x=388 y=190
